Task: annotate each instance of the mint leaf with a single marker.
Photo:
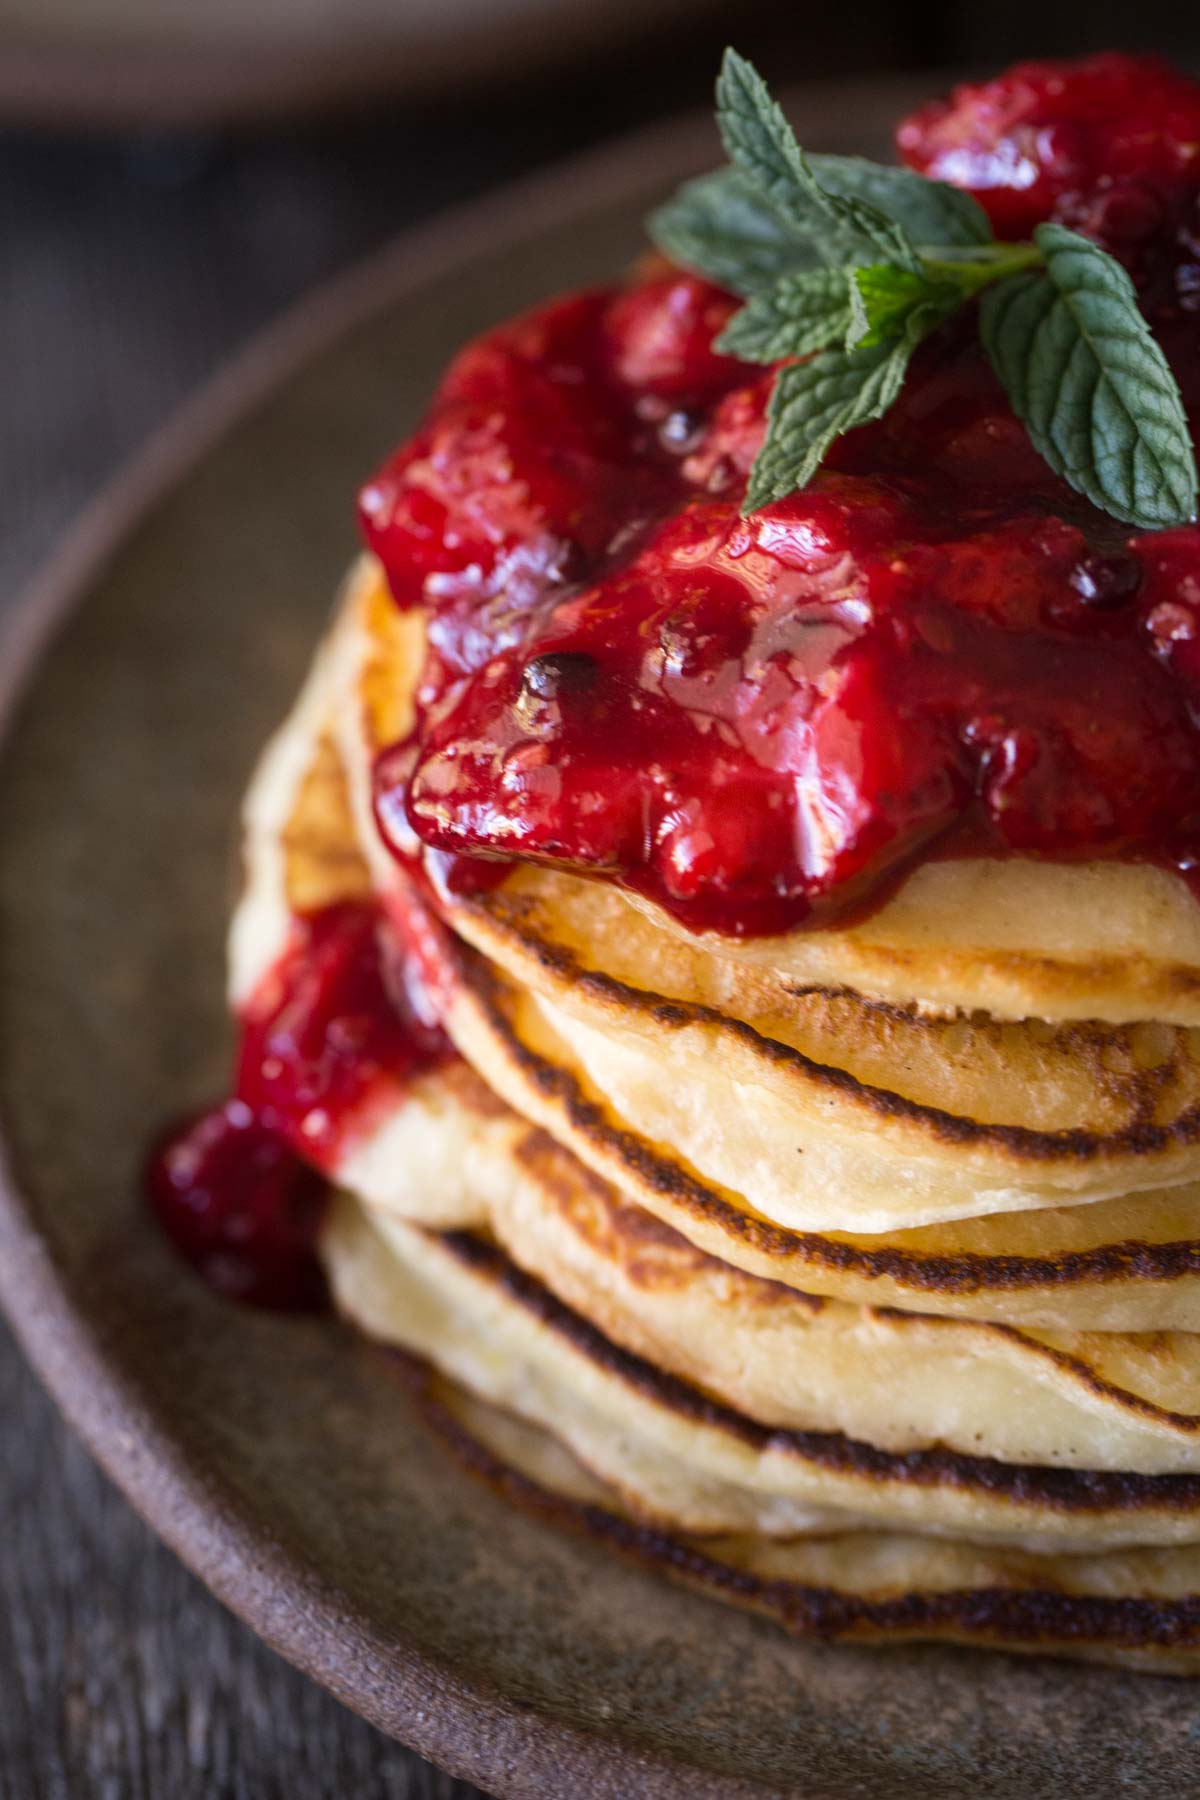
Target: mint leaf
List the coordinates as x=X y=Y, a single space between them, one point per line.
x=760 y=142
x=719 y=226
x=882 y=297
x=722 y=227
x=812 y=404
x=1090 y=384
x=847 y=264
x=800 y=314
x=935 y=215
x=758 y=138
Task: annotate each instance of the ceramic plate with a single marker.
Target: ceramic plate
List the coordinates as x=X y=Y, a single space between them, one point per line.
x=283 y=1460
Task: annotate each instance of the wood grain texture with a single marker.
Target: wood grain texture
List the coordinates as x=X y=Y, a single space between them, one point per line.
x=123 y=1677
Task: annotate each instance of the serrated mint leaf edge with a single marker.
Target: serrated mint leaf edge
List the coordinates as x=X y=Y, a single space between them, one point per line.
x=720 y=226
x=799 y=314
x=759 y=140
x=1090 y=384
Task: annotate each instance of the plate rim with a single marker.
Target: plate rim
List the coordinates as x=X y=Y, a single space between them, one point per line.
x=511 y=1749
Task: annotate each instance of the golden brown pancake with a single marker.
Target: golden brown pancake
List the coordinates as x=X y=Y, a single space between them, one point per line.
x=1015 y=939
x=1129 y=1264
x=687 y=1461
x=1135 y=1607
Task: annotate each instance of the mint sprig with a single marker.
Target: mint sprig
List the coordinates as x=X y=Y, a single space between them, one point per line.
x=1089 y=383
x=848 y=264
x=814 y=402
x=760 y=143
x=798 y=314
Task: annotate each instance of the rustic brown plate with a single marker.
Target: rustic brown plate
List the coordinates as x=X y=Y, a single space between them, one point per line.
x=282 y=1460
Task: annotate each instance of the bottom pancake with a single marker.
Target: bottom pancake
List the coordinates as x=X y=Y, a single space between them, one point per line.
x=898 y=1380
x=1136 y=1608
x=686 y=1461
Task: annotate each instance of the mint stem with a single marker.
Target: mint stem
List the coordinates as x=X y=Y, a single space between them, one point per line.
x=978 y=268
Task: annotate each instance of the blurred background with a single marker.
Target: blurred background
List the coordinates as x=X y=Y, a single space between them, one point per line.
x=172 y=173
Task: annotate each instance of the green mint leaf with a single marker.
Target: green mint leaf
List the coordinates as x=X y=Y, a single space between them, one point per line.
x=814 y=403
x=931 y=212
x=882 y=297
x=757 y=137
x=800 y=314
x=1090 y=384
x=719 y=226
x=760 y=142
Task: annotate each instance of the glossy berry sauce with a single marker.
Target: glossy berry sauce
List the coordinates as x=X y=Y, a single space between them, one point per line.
x=938 y=649
x=329 y=1039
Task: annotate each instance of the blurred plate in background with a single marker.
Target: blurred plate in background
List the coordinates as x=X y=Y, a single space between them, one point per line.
x=172 y=62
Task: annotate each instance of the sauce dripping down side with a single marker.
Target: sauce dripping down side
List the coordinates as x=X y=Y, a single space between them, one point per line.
x=332 y=1036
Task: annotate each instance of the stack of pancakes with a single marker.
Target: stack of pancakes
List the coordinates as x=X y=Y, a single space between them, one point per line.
x=849 y=1274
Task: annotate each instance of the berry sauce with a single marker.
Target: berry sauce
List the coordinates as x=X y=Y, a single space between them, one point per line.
x=327 y=1042
x=938 y=649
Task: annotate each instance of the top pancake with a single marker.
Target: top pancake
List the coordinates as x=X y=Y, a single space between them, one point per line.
x=903 y=1117
x=1132 y=1264
x=1014 y=938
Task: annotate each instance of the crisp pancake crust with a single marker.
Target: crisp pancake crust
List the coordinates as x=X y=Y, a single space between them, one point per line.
x=1136 y=1608
x=682 y=1458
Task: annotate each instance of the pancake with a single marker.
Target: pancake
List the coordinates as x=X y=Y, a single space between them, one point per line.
x=740 y=1111
x=1125 y=1265
x=824 y=1111
x=1135 y=1607
x=1104 y=1266
x=900 y=1381
x=1013 y=938
x=992 y=1107
x=684 y=1460
x=1017 y=939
